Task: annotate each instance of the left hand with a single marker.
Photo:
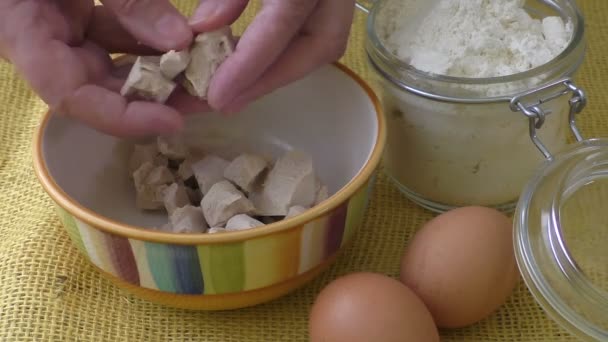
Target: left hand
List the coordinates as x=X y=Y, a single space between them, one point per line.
x=61 y=49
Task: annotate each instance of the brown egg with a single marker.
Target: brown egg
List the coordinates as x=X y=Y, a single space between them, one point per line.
x=369 y=307
x=462 y=265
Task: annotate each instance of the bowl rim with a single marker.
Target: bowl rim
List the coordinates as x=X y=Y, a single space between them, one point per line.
x=108 y=225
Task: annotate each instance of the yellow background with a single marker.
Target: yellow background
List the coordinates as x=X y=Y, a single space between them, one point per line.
x=48 y=292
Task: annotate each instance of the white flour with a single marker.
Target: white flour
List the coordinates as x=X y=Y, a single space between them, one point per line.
x=480 y=38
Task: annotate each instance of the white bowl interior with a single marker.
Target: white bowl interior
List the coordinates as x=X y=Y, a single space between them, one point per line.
x=327 y=114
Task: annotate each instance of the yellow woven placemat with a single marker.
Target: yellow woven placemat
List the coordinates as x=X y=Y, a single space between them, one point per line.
x=48 y=292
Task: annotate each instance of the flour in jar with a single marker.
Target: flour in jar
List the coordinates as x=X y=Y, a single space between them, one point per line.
x=479 y=38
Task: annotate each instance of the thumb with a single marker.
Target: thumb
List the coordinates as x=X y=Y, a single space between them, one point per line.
x=155 y=23
x=213 y=14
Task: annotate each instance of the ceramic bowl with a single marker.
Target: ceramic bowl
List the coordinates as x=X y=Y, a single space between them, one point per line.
x=331 y=114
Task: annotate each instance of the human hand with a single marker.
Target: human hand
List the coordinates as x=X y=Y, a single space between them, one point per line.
x=286 y=40
x=61 y=48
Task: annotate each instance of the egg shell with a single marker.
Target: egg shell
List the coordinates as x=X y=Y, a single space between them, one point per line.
x=370 y=307
x=462 y=265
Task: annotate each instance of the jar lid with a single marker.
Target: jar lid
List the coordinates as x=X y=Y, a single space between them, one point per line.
x=561 y=238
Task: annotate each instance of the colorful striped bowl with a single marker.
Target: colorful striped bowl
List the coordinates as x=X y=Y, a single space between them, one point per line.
x=331 y=114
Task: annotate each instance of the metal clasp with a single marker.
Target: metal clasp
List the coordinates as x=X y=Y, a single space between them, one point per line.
x=365 y=6
x=536 y=115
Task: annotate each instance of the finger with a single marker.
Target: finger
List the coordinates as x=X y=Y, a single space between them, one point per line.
x=261 y=44
x=96 y=60
x=112 y=83
x=155 y=23
x=106 y=31
x=187 y=104
x=210 y=15
x=324 y=40
x=110 y=113
x=52 y=68
x=76 y=13
x=302 y=57
x=61 y=76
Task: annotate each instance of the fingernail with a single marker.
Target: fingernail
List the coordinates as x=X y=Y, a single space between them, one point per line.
x=207 y=10
x=172 y=27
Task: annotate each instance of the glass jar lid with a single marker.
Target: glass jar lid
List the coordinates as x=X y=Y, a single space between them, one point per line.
x=561 y=231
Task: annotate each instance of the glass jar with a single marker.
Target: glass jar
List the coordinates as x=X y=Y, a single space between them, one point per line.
x=465 y=141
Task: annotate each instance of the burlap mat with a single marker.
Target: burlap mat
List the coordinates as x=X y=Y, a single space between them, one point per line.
x=48 y=292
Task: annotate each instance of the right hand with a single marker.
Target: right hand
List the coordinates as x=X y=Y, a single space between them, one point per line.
x=287 y=40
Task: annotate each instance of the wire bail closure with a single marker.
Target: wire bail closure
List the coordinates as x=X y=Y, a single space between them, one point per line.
x=537 y=115
x=365 y=6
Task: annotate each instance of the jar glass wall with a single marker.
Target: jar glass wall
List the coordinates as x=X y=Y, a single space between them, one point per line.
x=456 y=141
